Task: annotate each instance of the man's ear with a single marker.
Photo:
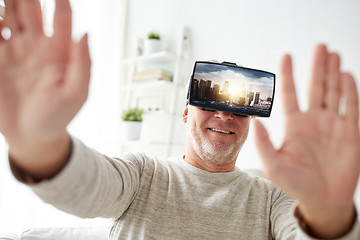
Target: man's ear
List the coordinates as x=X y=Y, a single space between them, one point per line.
x=185 y=114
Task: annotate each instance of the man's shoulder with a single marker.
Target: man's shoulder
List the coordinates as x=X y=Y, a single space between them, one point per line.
x=257 y=182
x=146 y=161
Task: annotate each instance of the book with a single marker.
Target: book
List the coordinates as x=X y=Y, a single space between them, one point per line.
x=152 y=74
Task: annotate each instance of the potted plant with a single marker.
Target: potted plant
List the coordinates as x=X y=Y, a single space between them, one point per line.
x=131 y=125
x=153 y=43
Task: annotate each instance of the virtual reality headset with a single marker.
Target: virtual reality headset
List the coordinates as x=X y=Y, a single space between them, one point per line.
x=230 y=88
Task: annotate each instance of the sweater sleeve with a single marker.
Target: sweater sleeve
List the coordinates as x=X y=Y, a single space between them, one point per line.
x=91 y=184
x=286 y=225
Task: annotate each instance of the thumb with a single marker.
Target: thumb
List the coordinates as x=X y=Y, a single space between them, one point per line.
x=265 y=147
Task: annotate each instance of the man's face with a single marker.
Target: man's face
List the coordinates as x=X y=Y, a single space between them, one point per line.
x=216 y=136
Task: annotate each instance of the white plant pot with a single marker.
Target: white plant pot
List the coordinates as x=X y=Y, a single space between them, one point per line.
x=130 y=130
x=152 y=46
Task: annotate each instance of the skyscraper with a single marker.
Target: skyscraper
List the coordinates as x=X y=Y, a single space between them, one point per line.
x=257 y=97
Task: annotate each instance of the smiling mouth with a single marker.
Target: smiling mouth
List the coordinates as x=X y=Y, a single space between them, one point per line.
x=220 y=131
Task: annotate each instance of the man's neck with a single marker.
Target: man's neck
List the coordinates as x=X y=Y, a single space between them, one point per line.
x=196 y=161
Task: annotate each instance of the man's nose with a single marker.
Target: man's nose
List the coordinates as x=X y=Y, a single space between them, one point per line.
x=224 y=115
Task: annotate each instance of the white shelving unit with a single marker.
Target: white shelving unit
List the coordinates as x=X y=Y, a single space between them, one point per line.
x=161 y=134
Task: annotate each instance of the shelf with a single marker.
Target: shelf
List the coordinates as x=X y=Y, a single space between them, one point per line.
x=147 y=85
x=156 y=94
x=158 y=57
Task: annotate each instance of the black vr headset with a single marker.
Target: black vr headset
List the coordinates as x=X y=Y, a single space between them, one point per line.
x=230 y=88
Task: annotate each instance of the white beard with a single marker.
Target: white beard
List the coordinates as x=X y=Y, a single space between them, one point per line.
x=214 y=152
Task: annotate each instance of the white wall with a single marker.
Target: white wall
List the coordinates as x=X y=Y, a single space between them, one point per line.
x=256 y=34
x=253 y=33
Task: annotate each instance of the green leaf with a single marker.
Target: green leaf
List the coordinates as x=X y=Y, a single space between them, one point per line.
x=153 y=35
x=132 y=114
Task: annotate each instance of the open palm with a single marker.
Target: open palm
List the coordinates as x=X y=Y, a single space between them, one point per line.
x=43 y=80
x=319 y=161
x=319 y=158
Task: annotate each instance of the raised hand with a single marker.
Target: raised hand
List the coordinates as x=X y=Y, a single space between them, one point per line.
x=319 y=161
x=43 y=80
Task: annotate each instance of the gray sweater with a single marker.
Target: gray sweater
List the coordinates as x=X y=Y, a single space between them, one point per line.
x=153 y=198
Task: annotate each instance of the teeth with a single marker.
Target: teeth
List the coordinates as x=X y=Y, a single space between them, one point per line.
x=219 y=130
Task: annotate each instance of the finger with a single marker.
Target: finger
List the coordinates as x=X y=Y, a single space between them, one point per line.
x=4 y=50
x=30 y=16
x=11 y=19
x=2 y=11
x=62 y=21
x=317 y=91
x=349 y=91
x=288 y=86
x=332 y=82
x=78 y=76
x=2 y=25
x=265 y=148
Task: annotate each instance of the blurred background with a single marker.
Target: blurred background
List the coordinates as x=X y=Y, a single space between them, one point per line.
x=255 y=34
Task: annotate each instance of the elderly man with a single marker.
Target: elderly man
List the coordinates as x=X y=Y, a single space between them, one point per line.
x=200 y=195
